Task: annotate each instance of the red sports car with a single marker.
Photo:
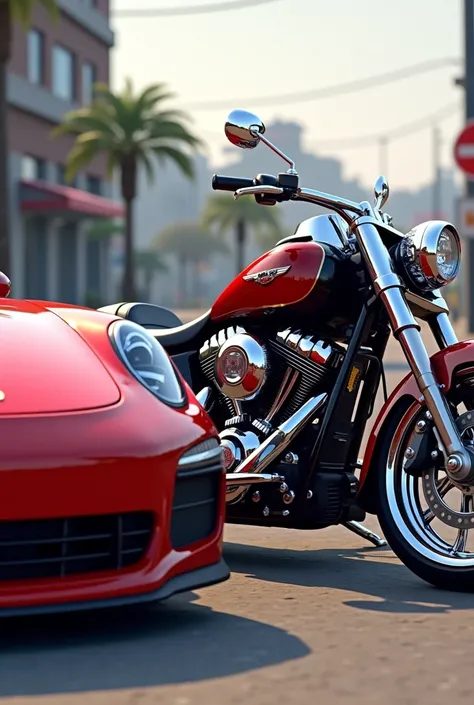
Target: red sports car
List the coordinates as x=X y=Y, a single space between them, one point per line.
x=111 y=478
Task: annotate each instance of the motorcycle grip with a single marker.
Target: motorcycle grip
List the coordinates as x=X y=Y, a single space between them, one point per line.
x=230 y=183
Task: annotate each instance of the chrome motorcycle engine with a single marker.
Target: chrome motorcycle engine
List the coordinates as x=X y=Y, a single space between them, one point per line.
x=261 y=383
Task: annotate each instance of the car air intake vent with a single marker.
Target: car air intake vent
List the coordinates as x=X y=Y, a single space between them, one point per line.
x=56 y=548
x=197 y=494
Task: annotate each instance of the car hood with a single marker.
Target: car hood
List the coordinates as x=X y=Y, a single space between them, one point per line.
x=46 y=367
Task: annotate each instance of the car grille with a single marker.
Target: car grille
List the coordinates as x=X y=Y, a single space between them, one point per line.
x=56 y=548
x=197 y=494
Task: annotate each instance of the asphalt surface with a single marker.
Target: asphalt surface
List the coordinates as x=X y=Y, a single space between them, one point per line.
x=304 y=618
x=307 y=617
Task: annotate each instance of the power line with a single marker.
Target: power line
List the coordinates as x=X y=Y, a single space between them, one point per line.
x=397 y=133
x=330 y=91
x=190 y=9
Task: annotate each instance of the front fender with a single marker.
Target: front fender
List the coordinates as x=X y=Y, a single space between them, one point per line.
x=444 y=364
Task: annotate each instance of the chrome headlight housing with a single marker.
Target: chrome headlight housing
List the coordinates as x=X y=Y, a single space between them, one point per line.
x=430 y=255
x=147 y=361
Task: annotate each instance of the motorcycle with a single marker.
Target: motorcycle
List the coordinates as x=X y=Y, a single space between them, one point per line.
x=289 y=359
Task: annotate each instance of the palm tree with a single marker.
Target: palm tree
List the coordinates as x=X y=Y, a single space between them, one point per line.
x=10 y=10
x=130 y=128
x=239 y=215
x=191 y=244
x=150 y=263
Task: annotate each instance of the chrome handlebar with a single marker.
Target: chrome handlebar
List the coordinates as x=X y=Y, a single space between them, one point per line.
x=346 y=208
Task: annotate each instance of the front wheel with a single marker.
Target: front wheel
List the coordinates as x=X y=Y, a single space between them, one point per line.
x=427 y=520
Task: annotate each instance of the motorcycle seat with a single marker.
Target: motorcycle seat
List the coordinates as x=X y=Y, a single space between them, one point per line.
x=162 y=323
x=180 y=336
x=146 y=315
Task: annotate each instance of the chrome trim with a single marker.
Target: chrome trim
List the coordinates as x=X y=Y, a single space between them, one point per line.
x=200 y=457
x=308 y=346
x=407 y=331
x=427 y=306
x=341 y=205
x=279 y=152
x=279 y=440
x=361 y=530
x=253 y=377
x=288 y=383
x=266 y=276
x=405 y=510
x=443 y=331
x=243 y=129
x=381 y=192
x=387 y=281
x=420 y=364
x=248 y=478
x=399 y=312
x=423 y=241
x=249 y=190
x=204 y=397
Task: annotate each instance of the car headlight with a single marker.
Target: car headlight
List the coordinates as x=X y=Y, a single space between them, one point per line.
x=430 y=255
x=148 y=362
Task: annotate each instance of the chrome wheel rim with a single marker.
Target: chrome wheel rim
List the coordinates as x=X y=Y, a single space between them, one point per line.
x=427 y=535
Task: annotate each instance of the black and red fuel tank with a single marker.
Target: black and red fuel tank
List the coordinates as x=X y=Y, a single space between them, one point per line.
x=309 y=273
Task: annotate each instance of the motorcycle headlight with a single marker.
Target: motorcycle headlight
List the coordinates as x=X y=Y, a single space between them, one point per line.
x=430 y=255
x=148 y=362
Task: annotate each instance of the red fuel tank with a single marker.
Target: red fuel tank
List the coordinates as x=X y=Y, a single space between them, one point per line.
x=282 y=277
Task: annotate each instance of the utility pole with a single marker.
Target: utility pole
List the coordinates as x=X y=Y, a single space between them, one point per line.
x=436 y=207
x=467 y=82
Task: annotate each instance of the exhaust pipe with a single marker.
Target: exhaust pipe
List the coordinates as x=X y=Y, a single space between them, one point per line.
x=275 y=444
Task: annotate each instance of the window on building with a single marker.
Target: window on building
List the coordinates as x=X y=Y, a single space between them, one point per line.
x=64 y=84
x=94 y=185
x=33 y=168
x=36 y=56
x=61 y=177
x=88 y=80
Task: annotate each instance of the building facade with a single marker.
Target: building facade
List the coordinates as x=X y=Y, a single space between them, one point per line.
x=53 y=68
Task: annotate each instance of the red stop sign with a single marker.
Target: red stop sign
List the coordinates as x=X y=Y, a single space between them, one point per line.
x=464 y=150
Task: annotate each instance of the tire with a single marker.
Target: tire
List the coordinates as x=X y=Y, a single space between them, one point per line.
x=414 y=544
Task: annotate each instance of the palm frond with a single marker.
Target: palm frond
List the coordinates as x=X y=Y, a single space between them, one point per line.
x=165 y=152
x=144 y=159
x=79 y=157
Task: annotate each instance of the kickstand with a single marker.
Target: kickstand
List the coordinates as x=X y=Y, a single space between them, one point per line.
x=360 y=530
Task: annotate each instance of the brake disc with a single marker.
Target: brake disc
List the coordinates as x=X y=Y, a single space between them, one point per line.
x=431 y=486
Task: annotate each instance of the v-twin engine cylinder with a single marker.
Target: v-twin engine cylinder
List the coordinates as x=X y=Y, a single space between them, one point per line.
x=261 y=384
x=240 y=363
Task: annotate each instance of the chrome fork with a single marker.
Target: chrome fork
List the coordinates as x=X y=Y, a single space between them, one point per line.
x=389 y=288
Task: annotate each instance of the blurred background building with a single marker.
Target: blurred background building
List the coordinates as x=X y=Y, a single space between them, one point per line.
x=53 y=69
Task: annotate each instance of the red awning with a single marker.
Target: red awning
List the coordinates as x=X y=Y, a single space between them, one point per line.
x=41 y=197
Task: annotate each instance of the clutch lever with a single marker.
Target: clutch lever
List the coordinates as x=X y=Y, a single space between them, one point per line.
x=255 y=190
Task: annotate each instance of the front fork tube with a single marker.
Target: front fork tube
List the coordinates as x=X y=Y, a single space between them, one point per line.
x=388 y=288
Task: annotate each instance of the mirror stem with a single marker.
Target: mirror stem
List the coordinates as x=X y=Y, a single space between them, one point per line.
x=275 y=149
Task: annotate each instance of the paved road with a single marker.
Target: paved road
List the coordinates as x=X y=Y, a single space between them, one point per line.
x=305 y=618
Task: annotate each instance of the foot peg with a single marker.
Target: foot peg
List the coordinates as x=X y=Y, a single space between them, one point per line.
x=360 y=530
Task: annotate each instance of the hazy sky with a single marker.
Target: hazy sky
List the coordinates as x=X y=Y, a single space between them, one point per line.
x=297 y=45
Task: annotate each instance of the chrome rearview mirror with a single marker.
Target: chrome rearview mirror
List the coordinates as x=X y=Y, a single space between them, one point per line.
x=381 y=192
x=246 y=130
x=243 y=129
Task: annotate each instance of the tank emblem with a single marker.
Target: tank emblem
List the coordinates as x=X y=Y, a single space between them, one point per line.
x=266 y=276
